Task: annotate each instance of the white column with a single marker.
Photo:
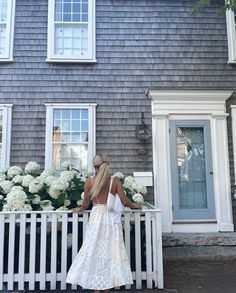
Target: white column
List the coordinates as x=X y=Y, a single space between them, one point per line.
x=221 y=174
x=161 y=170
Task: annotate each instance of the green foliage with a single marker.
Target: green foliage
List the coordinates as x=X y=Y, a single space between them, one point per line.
x=201 y=4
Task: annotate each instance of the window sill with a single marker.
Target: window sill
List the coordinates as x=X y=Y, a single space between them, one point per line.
x=71 y=61
x=5 y=60
x=232 y=62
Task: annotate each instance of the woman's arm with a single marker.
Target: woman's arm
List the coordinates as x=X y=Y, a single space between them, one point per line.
x=124 y=199
x=87 y=198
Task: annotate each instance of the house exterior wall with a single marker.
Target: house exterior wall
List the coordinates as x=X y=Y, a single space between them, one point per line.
x=140 y=45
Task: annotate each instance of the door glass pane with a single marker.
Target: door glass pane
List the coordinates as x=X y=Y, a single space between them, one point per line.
x=191 y=168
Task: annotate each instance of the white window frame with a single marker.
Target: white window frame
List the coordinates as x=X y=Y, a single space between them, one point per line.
x=8 y=56
x=231 y=32
x=91 y=56
x=6 y=134
x=91 y=130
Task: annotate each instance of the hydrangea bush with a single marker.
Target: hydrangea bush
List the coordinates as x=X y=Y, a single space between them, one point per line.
x=31 y=189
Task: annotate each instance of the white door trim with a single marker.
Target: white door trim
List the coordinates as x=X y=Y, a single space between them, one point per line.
x=197 y=104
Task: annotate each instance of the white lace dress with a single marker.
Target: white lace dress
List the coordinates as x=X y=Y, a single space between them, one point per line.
x=102 y=262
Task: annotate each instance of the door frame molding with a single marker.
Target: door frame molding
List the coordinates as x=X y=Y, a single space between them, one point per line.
x=191 y=105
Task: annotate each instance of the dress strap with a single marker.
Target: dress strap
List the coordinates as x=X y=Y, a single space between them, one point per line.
x=110 y=184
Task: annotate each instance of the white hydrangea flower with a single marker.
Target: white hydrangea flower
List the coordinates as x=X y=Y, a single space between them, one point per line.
x=67 y=175
x=26 y=180
x=140 y=188
x=47 y=173
x=32 y=167
x=79 y=202
x=119 y=174
x=57 y=187
x=2 y=177
x=6 y=186
x=6 y=208
x=27 y=208
x=15 y=201
x=65 y=166
x=46 y=205
x=82 y=195
x=129 y=182
x=61 y=209
x=4 y=170
x=67 y=202
x=17 y=179
x=1 y=197
x=49 y=180
x=13 y=171
x=69 y=240
x=36 y=185
x=18 y=187
x=138 y=198
x=36 y=199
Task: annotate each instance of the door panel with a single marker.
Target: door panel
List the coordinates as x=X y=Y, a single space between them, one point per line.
x=191 y=170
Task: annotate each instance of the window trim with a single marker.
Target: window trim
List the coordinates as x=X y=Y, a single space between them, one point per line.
x=8 y=56
x=92 y=130
x=6 y=134
x=231 y=33
x=51 y=57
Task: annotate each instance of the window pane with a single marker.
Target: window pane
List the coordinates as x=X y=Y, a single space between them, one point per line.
x=84 y=125
x=84 y=17
x=66 y=114
x=3 y=10
x=84 y=136
x=84 y=114
x=71 y=41
x=76 y=114
x=2 y=39
x=75 y=125
x=56 y=114
x=76 y=155
x=65 y=125
x=191 y=167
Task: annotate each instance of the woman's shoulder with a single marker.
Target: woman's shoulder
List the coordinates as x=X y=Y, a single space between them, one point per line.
x=116 y=179
x=90 y=180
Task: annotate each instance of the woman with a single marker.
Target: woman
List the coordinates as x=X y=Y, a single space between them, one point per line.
x=102 y=261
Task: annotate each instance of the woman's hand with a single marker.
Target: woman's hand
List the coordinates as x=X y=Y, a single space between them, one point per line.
x=137 y=206
x=77 y=210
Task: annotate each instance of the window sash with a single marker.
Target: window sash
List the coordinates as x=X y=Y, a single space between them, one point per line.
x=54 y=148
x=6 y=30
x=5 y=132
x=231 y=31
x=70 y=40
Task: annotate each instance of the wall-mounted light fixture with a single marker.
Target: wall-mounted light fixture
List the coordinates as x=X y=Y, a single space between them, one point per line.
x=142 y=131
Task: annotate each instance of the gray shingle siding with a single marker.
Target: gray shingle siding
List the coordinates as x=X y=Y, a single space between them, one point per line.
x=140 y=44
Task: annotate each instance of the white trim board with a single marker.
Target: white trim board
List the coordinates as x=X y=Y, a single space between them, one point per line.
x=181 y=105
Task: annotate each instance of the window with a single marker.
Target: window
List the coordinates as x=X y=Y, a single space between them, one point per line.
x=5 y=134
x=70 y=136
x=71 y=31
x=231 y=30
x=7 y=15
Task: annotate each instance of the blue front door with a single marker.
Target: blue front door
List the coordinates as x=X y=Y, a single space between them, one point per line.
x=191 y=170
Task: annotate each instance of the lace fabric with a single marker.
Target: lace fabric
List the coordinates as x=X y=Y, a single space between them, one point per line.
x=102 y=262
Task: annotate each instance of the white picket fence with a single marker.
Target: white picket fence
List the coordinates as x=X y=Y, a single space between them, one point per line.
x=34 y=251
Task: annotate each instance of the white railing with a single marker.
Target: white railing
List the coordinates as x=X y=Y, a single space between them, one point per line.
x=34 y=251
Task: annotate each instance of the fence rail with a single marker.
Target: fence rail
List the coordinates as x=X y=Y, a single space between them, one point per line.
x=37 y=248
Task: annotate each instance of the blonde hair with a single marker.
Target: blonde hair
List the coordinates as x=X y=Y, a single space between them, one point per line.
x=101 y=163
